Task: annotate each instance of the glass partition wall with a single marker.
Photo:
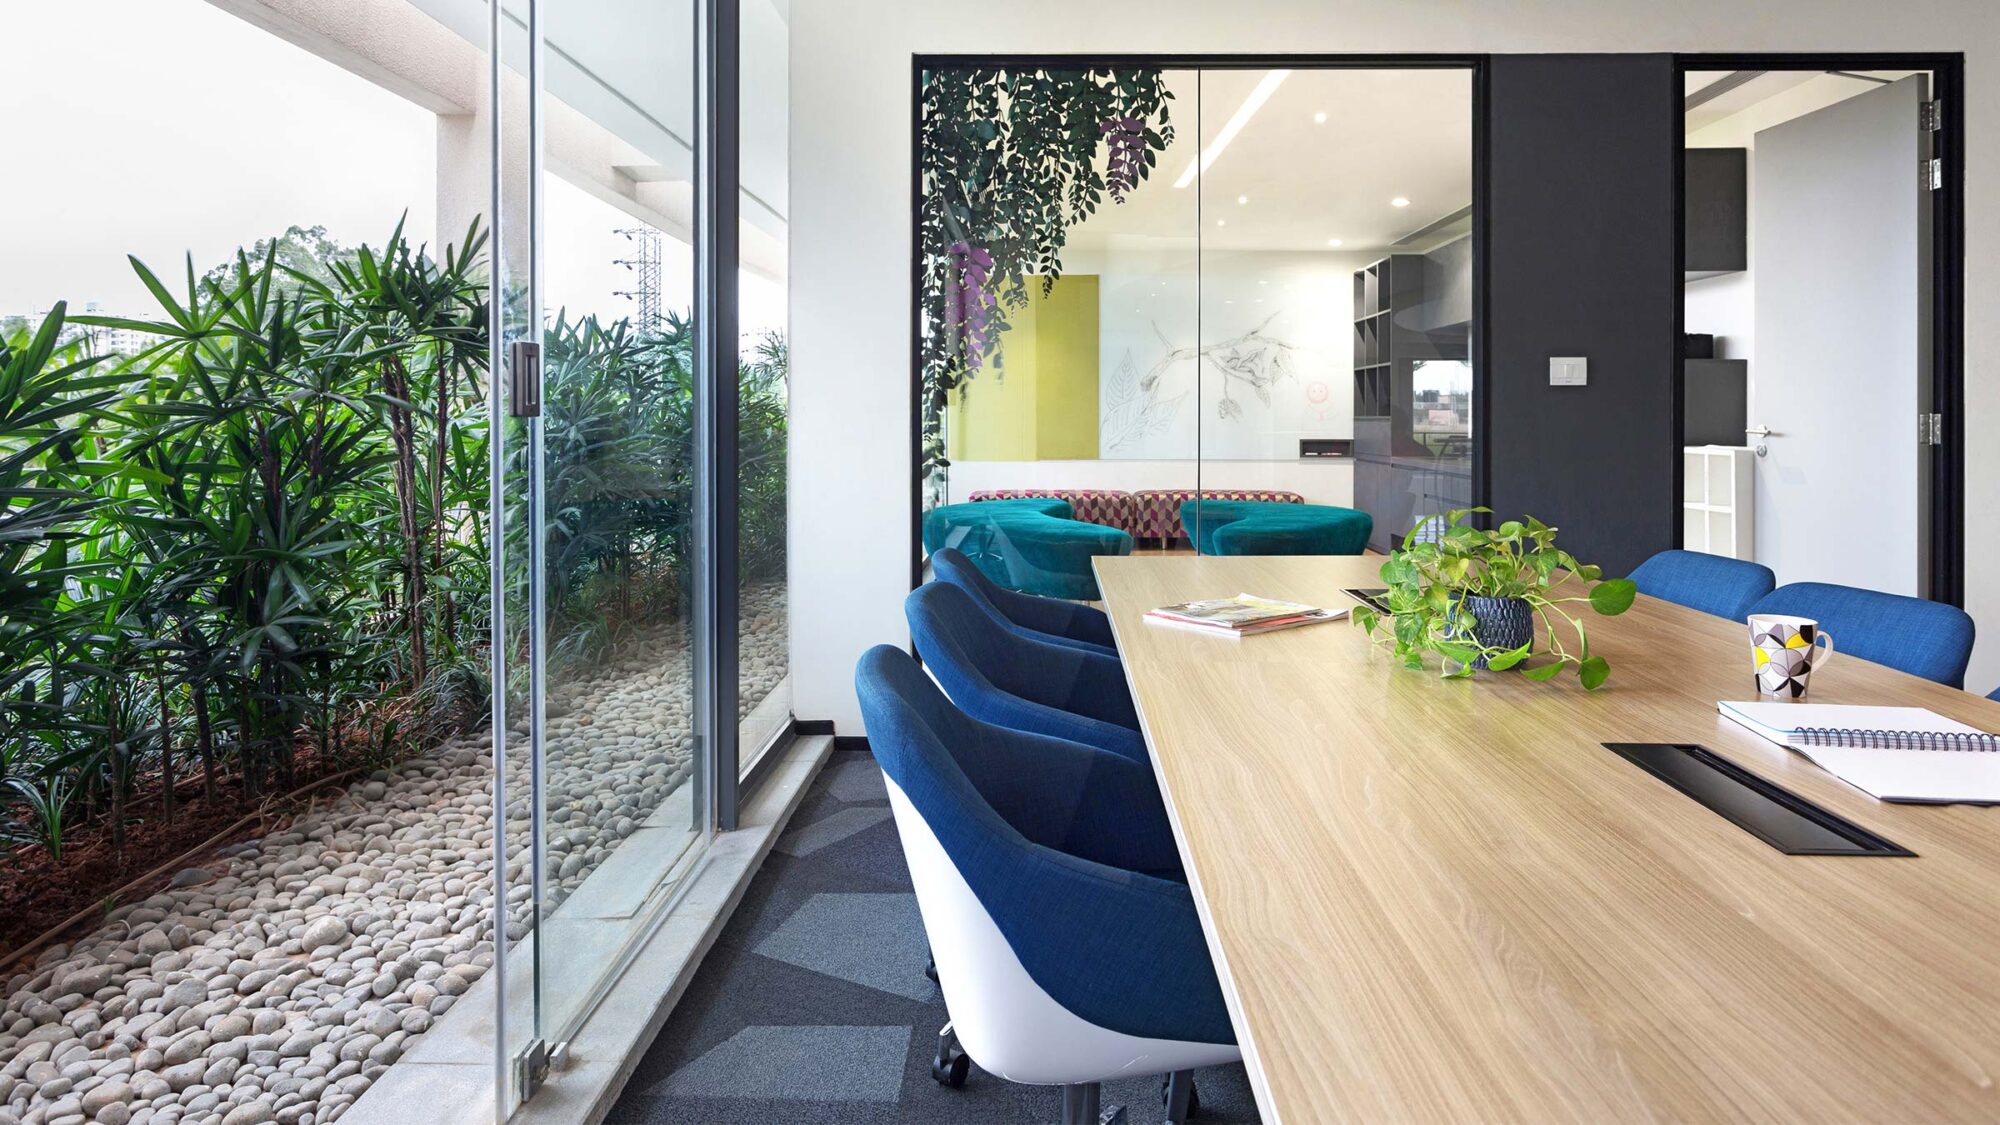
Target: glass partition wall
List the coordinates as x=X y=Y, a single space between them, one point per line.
x=1148 y=288
x=644 y=483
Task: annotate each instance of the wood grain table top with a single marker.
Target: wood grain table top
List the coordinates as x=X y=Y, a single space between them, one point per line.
x=1435 y=900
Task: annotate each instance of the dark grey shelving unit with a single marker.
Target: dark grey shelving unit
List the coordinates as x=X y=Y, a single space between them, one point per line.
x=1398 y=322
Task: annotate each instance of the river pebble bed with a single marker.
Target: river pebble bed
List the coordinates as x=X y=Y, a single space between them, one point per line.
x=277 y=981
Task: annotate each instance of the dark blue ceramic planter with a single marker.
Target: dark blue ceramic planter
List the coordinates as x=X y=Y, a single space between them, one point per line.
x=1500 y=623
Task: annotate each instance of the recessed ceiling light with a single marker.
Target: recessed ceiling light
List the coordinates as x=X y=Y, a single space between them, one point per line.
x=1222 y=222
x=1242 y=199
x=1399 y=201
x=1333 y=242
x=1319 y=118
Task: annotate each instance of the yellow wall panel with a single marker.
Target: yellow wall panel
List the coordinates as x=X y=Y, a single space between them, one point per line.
x=1036 y=396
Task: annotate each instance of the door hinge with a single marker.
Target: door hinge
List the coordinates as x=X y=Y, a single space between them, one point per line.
x=531 y=1068
x=524 y=368
x=1930 y=429
x=1930 y=174
x=1930 y=115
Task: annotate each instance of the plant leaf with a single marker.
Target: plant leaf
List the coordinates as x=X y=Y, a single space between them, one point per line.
x=1613 y=596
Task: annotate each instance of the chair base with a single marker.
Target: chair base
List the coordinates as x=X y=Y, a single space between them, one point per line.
x=1081 y=1106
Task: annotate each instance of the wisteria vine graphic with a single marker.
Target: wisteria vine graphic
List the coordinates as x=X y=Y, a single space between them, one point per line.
x=1125 y=154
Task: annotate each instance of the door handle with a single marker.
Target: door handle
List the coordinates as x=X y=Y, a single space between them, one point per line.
x=1761 y=432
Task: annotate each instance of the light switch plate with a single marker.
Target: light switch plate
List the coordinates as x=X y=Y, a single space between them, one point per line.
x=1569 y=371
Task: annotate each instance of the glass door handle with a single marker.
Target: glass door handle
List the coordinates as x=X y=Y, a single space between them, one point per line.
x=524 y=365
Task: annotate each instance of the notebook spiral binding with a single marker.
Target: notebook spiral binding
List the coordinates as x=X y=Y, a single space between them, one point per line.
x=1898 y=739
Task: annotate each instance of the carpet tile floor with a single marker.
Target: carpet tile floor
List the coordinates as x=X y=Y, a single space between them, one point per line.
x=813 y=1006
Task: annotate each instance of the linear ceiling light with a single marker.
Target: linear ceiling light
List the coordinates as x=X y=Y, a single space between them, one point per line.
x=1233 y=126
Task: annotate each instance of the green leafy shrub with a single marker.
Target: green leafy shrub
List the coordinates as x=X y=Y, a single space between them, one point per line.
x=268 y=531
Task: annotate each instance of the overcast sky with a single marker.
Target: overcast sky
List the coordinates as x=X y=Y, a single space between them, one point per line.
x=163 y=127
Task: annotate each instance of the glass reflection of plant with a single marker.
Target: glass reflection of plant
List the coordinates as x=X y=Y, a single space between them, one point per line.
x=1008 y=160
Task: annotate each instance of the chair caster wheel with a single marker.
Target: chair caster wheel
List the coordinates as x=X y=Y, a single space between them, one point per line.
x=950 y=1066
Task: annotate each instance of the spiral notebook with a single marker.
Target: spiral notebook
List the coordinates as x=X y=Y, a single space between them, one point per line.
x=1891 y=753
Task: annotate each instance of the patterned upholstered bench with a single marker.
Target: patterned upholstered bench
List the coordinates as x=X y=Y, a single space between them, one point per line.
x=1156 y=512
x=1092 y=505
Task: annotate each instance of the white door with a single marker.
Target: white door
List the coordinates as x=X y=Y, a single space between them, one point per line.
x=1840 y=366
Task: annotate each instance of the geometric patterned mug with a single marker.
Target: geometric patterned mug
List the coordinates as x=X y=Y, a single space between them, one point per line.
x=1784 y=651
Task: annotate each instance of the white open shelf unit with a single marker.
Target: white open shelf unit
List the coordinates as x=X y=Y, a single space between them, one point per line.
x=1716 y=506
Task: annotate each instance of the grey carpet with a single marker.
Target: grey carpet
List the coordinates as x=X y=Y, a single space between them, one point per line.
x=813 y=1006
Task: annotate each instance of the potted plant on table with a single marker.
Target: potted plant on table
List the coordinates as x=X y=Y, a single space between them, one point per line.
x=1472 y=596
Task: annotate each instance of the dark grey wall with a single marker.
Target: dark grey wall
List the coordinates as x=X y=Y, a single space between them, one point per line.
x=1580 y=222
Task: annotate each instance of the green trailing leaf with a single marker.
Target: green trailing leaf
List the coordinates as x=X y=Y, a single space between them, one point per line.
x=1542 y=673
x=1613 y=596
x=1593 y=671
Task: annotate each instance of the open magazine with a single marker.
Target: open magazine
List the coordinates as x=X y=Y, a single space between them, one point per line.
x=1242 y=615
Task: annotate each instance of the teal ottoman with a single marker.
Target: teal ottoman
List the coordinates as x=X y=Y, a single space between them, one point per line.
x=1255 y=527
x=1028 y=545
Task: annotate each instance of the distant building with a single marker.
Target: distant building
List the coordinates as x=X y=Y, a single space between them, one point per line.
x=104 y=341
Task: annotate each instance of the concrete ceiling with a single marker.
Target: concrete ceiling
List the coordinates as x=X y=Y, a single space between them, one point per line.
x=1320 y=159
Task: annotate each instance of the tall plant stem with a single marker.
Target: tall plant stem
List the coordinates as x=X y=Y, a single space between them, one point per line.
x=166 y=748
x=204 y=741
x=117 y=776
x=402 y=432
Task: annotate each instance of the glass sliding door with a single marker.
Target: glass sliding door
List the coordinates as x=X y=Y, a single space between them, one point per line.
x=605 y=795
x=1336 y=291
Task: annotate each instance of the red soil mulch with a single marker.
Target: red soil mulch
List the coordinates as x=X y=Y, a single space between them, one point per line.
x=36 y=894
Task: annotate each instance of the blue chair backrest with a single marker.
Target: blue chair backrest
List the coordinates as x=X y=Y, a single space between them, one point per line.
x=1120 y=949
x=1004 y=677
x=1923 y=638
x=1713 y=584
x=1046 y=619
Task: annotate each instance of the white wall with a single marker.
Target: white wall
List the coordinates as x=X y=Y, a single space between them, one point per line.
x=851 y=234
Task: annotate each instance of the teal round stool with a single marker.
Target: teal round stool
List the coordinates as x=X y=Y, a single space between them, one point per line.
x=1257 y=527
x=1031 y=545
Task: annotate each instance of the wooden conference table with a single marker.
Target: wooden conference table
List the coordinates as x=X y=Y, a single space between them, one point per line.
x=1445 y=901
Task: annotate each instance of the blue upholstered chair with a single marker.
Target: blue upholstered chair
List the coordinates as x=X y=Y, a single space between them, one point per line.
x=1045 y=619
x=1714 y=584
x=1007 y=678
x=1067 y=945
x=1923 y=638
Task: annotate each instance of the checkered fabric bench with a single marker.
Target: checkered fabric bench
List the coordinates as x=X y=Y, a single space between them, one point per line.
x=1105 y=506
x=1156 y=512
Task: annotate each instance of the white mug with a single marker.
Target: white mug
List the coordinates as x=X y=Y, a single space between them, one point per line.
x=1784 y=651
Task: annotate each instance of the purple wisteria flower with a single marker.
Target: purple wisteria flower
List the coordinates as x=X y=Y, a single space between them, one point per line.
x=1125 y=137
x=969 y=300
